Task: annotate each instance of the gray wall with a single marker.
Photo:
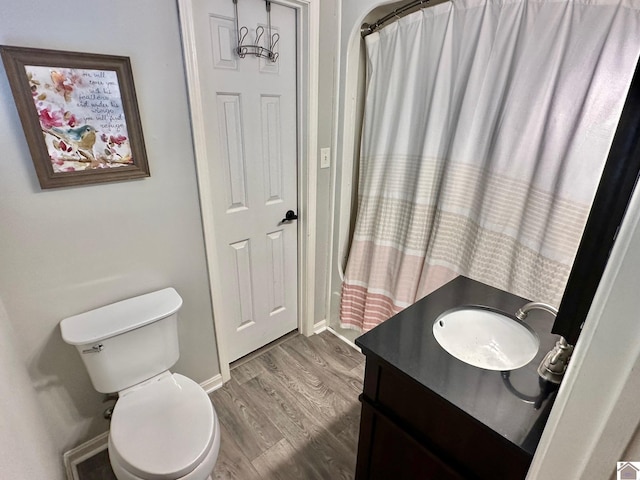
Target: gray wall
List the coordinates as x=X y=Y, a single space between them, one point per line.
x=65 y=251
x=22 y=423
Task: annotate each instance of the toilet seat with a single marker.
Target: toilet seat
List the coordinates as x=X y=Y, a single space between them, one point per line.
x=162 y=429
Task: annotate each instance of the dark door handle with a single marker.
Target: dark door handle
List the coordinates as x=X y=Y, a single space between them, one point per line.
x=290 y=215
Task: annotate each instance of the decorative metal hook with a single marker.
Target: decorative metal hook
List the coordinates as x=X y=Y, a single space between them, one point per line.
x=240 y=50
x=275 y=38
x=259 y=33
x=255 y=48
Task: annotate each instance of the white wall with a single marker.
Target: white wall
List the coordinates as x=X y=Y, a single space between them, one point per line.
x=65 y=251
x=22 y=423
x=632 y=452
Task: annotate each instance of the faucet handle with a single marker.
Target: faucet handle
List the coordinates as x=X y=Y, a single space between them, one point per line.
x=555 y=362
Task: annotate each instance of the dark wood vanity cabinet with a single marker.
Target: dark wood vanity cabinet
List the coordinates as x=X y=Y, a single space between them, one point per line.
x=426 y=415
x=394 y=454
x=408 y=432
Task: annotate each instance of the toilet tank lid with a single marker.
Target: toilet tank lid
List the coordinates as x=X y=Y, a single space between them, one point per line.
x=120 y=317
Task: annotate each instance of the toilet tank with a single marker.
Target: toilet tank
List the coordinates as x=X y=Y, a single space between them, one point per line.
x=127 y=342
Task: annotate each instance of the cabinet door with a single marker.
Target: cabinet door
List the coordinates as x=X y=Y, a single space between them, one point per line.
x=390 y=453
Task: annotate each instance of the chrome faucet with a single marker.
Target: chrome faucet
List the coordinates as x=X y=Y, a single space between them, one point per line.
x=555 y=362
x=522 y=313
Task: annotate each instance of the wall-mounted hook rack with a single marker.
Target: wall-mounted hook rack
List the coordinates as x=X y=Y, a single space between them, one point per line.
x=255 y=48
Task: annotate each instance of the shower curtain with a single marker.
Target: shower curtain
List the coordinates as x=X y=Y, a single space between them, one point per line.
x=486 y=128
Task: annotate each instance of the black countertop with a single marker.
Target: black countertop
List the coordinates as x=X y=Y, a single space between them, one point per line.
x=406 y=342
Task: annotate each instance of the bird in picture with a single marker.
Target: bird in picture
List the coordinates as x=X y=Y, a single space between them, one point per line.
x=83 y=138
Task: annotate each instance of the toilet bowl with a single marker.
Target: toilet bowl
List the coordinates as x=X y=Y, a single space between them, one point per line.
x=164 y=429
x=163 y=425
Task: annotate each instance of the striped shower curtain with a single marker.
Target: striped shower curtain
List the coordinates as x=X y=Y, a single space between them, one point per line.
x=487 y=125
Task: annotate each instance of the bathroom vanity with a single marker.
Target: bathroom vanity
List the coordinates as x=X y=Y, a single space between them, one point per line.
x=428 y=415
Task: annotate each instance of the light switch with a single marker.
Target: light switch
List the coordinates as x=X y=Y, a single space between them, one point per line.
x=325 y=157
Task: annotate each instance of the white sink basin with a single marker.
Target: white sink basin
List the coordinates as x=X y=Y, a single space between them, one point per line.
x=486 y=338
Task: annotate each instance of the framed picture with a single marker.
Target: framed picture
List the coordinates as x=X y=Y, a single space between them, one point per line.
x=79 y=114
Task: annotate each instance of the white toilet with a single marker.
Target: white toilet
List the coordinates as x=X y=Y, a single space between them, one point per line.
x=163 y=426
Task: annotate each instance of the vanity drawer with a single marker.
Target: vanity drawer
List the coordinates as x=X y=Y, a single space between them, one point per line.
x=451 y=433
x=390 y=453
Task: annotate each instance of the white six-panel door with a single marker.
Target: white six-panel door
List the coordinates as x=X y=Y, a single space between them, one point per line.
x=250 y=119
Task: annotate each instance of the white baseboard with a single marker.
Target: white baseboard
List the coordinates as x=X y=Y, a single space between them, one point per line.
x=213 y=384
x=344 y=339
x=97 y=444
x=320 y=327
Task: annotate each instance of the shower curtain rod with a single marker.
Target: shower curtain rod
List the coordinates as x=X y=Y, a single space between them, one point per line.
x=369 y=28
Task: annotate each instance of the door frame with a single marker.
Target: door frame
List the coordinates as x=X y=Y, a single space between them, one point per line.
x=307 y=33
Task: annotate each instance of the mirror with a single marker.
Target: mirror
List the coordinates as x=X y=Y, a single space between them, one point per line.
x=607 y=212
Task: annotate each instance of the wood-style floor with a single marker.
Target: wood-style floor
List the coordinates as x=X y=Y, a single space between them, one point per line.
x=288 y=412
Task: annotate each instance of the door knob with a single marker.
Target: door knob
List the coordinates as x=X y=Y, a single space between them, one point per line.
x=290 y=215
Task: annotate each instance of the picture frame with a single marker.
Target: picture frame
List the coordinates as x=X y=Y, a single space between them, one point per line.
x=79 y=113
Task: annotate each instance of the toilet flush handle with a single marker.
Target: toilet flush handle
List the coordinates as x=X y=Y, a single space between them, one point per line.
x=95 y=349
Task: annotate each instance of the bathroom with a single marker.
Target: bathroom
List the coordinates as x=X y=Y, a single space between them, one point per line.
x=69 y=250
